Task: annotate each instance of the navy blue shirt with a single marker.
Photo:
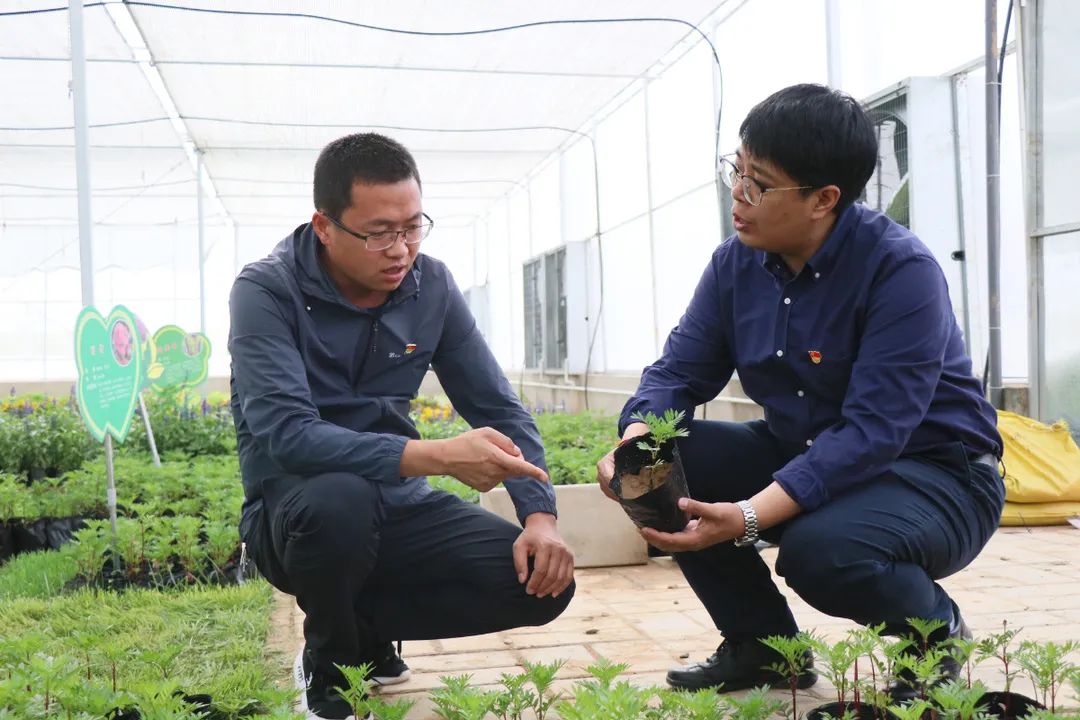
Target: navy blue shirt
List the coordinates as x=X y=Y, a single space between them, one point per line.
x=857 y=359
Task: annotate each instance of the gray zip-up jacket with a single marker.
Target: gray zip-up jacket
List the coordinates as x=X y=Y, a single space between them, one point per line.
x=319 y=385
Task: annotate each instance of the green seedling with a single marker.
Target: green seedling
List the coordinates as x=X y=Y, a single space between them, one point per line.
x=795 y=658
x=756 y=705
x=359 y=687
x=515 y=698
x=998 y=646
x=957 y=700
x=662 y=429
x=1048 y=666
x=542 y=676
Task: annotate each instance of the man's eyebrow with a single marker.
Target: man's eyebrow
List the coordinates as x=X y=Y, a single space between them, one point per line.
x=758 y=170
x=382 y=222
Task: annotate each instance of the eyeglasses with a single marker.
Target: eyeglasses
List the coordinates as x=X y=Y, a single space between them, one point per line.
x=753 y=191
x=377 y=242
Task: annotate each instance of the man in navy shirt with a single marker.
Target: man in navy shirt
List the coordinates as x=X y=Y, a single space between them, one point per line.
x=875 y=468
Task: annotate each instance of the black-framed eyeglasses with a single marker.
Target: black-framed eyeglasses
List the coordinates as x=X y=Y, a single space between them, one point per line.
x=377 y=242
x=753 y=190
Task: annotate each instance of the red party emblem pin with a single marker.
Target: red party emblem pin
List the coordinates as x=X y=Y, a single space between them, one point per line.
x=409 y=348
x=815 y=357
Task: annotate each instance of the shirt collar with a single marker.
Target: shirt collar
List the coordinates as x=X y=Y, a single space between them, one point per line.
x=824 y=259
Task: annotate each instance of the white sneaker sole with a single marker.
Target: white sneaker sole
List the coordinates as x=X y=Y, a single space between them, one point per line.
x=302 y=683
x=395 y=680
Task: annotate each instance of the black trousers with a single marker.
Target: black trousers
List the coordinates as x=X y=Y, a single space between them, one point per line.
x=365 y=573
x=872 y=554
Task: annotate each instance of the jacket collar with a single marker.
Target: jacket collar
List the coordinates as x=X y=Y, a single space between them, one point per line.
x=315 y=282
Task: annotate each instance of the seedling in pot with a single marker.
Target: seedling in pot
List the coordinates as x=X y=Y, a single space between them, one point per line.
x=958 y=701
x=662 y=430
x=834 y=662
x=649 y=478
x=997 y=646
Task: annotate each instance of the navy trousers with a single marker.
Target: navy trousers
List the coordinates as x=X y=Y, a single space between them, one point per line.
x=366 y=573
x=872 y=554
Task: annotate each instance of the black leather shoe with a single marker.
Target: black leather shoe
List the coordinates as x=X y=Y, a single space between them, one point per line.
x=737 y=665
x=906 y=687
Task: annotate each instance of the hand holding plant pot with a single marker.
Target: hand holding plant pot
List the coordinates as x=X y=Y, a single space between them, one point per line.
x=649 y=479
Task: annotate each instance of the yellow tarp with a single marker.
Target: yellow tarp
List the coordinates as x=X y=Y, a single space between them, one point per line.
x=1042 y=471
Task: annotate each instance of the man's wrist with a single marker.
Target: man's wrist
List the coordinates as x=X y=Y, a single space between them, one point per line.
x=538 y=519
x=749 y=522
x=423 y=457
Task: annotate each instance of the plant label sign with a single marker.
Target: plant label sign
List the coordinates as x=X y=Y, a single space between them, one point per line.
x=110 y=362
x=184 y=358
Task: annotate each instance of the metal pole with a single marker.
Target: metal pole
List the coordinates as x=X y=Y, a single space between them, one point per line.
x=202 y=241
x=993 y=194
x=82 y=150
x=149 y=431
x=832 y=41
x=652 y=227
x=110 y=499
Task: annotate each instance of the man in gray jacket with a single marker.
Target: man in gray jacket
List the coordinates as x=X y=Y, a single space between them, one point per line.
x=331 y=335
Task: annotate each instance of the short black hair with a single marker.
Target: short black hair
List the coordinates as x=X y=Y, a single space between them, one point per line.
x=817 y=135
x=361 y=157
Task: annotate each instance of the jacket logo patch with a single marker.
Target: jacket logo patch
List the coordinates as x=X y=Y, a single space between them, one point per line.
x=815 y=357
x=409 y=348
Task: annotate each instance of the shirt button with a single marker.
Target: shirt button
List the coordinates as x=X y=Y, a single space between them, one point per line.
x=787 y=301
x=800 y=393
x=817 y=275
x=809 y=443
x=779 y=353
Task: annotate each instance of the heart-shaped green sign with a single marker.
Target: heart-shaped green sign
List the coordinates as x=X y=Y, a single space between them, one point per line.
x=110 y=361
x=184 y=358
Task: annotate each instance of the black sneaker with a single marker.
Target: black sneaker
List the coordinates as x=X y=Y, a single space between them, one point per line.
x=318 y=698
x=737 y=665
x=389 y=668
x=905 y=686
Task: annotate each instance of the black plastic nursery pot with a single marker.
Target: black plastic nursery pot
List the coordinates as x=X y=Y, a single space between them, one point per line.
x=650 y=493
x=7 y=541
x=862 y=711
x=21 y=536
x=1009 y=705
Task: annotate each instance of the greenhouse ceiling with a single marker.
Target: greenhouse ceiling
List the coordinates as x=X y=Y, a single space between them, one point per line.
x=257 y=87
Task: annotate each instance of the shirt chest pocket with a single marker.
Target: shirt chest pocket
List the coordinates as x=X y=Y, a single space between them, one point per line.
x=827 y=374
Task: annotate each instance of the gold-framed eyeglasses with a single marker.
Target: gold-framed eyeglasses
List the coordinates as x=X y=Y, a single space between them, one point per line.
x=753 y=190
x=383 y=240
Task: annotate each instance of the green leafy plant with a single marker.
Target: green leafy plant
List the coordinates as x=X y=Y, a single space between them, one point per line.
x=359 y=687
x=515 y=698
x=836 y=660
x=1048 y=666
x=756 y=704
x=661 y=429
x=956 y=700
x=795 y=658
x=999 y=645
x=542 y=677
x=388 y=709
x=457 y=700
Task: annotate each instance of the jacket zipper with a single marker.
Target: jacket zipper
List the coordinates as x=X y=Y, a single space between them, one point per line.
x=370 y=350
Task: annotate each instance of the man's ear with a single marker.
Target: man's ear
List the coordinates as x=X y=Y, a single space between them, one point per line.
x=825 y=200
x=321 y=226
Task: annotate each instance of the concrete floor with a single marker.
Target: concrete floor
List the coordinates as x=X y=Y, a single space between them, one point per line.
x=647 y=616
